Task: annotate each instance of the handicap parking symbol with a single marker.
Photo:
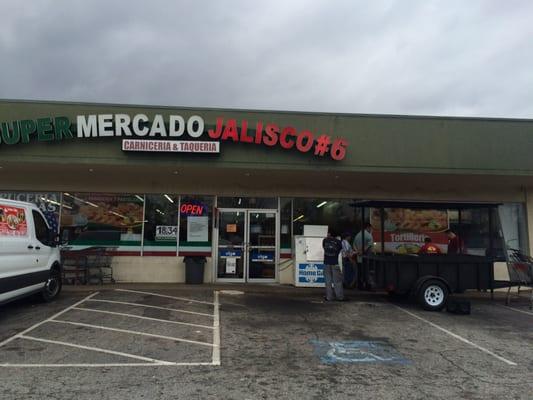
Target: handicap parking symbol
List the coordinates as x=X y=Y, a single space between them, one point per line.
x=357 y=352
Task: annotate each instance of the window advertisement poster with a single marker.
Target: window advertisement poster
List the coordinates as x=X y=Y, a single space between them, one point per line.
x=12 y=221
x=231 y=228
x=197 y=229
x=406 y=229
x=164 y=232
x=231 y=265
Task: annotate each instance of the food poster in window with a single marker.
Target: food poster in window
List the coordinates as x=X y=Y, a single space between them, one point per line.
x=406 y=229
x=102 y=219
x=12 y=221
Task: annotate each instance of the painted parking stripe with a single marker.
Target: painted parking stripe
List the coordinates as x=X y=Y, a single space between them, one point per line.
x=216 y=333
x=151 y=306
x=516 y=309
x=46 y=320
x=141 y=317
x=166 y=296
x=454 y=335
x=117 y=353
x=132 y=332
x=107 y=365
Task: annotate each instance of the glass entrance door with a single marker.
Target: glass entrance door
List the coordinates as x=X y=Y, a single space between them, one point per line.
x=261 y=246
x=231 y=245
x=247 y=245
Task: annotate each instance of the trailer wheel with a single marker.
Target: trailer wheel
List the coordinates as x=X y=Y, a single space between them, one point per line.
x=433 y=295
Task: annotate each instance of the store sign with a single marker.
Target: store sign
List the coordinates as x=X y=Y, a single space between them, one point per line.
x=165 y=134
x=163 y=232
x=310 y=274
x=262 y=255
x=225 y=253
x=193 y=208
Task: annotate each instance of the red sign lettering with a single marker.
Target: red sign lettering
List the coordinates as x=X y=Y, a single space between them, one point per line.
x=191 y=209
x=288 y=137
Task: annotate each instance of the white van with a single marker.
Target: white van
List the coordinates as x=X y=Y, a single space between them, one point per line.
x=29 y=254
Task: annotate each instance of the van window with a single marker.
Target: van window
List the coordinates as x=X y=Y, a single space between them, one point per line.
x=41 y=229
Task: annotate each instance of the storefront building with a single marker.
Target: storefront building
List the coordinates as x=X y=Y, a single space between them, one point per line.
x=153 y=185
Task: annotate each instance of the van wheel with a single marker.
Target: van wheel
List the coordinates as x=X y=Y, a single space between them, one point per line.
x=433 y=295
x=52 y=287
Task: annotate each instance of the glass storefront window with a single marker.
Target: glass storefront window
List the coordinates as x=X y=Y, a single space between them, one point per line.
x=286 y=226
x=474 y=231
x=160 y=224
x=512 y=232
x=102 y=220
x=340 y=215
x=196 y=222
x=248 y=202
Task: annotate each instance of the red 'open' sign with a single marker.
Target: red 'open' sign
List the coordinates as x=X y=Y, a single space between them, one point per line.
x=191 y=209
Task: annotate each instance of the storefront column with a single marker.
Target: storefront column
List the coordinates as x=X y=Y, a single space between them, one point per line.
x=528 y=193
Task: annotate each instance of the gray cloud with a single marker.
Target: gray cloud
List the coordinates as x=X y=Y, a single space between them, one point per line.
x=402 y=57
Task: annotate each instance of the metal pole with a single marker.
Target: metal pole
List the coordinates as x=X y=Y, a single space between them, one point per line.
x=178 y=228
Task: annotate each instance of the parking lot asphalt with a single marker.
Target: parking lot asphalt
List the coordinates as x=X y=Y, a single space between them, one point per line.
x=260 y=342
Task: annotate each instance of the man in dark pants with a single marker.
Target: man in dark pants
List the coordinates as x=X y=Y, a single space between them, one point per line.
x=348 y=268
x=332 y=272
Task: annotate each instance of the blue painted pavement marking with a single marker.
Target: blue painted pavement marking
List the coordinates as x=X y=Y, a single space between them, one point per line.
x=359 y=351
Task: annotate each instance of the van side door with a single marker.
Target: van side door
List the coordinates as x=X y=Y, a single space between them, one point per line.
x=17 y=258
x=42 y=245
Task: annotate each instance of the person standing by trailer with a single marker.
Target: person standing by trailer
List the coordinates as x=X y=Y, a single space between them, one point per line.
x=348 y=269
x=363 y=244
x=455 y=244
x=332 y=271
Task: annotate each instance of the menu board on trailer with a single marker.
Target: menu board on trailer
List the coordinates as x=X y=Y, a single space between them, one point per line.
x=12 y=221
x=406 y=229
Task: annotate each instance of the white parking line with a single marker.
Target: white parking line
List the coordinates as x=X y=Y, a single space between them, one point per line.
x=150 y=306
x=216 y=333
x=166 y=296
x=454 y=335
x=59 y=321
x=78 y=346
x=142 y=317
x=516 y=309
x=45 y=321
x=152 y=362
x=101 y=365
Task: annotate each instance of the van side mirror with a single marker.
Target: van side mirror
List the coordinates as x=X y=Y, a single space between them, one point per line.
x=56 y=240
x=59 y=240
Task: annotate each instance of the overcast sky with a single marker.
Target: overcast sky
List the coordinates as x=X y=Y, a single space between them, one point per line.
x=450 y=57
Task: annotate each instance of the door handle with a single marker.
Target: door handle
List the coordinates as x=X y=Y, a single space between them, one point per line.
x=30 y=246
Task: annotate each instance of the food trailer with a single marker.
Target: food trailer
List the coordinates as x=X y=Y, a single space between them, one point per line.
x=397 y=265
